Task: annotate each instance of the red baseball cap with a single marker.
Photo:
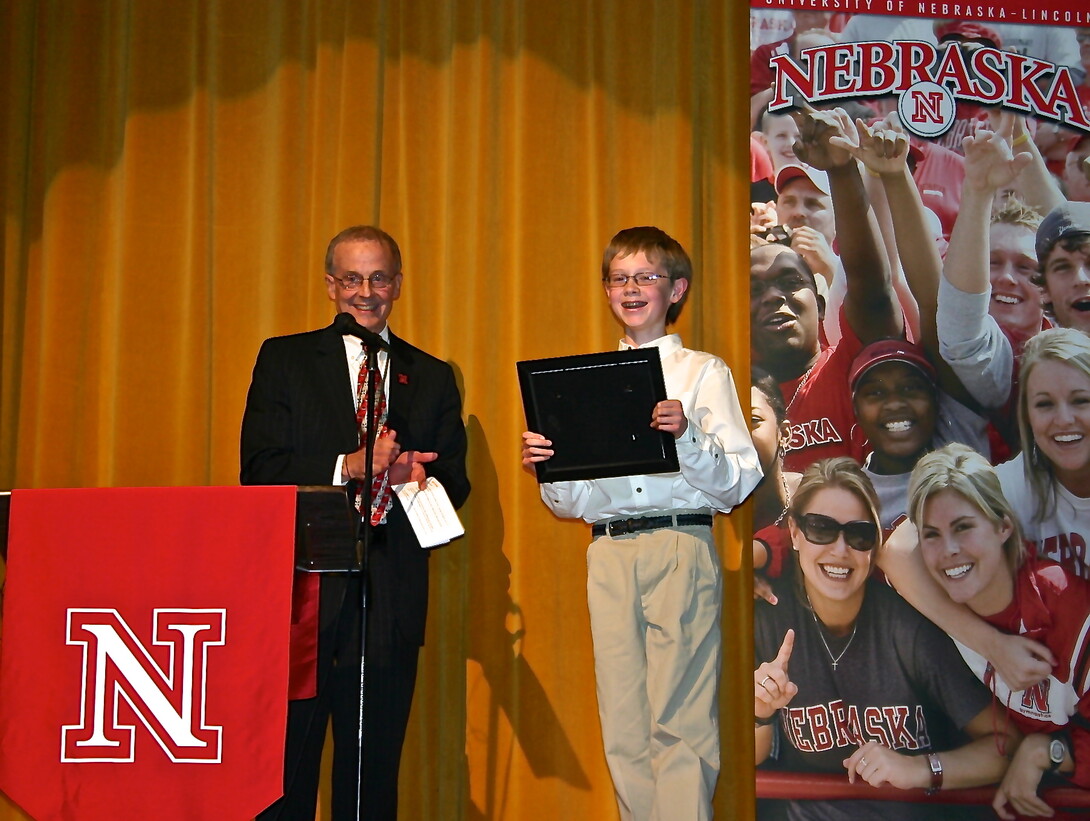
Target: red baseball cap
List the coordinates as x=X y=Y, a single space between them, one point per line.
x=890 y=350
x=968 y=30
x=792 y=171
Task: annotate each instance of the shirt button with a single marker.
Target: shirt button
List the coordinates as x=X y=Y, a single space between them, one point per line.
x=639 y=490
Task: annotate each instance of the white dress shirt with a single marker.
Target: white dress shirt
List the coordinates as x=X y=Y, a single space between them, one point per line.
x=353 y=351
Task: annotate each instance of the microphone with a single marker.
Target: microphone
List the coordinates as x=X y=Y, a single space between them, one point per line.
x=345 y=323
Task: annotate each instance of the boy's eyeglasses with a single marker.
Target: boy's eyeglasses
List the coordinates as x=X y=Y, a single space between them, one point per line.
x=614 y=281
x=859 y=535
x=352 y=282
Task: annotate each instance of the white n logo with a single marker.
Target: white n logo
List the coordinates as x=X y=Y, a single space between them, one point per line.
x=170 y=704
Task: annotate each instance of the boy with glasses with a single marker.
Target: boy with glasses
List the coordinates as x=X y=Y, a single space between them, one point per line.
x=654 y=582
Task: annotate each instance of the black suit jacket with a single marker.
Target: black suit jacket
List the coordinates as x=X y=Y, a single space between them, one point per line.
x=300 y=416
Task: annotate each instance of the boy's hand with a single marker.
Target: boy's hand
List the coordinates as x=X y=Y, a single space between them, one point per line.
x=535 y=448
x=669 y=416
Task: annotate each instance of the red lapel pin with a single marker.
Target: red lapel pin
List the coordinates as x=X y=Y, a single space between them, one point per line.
x=403 y=379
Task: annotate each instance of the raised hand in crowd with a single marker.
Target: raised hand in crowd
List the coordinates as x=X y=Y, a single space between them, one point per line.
x=990 y=161
x=972 y=343
x=882 y=148
x=817 y=132
x=772 y=686
x=1035 y=185
x=870 y=304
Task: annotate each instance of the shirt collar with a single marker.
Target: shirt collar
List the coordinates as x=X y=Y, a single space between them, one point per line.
x=353 y=345
x=668 y=344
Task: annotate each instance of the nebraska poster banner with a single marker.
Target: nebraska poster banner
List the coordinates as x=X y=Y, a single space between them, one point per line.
x=919 y=306
x=144 y=668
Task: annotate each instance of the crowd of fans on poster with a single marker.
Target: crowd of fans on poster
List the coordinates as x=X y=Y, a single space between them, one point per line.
x=919 y=313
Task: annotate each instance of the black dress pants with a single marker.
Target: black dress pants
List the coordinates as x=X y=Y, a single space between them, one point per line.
x=390 y=676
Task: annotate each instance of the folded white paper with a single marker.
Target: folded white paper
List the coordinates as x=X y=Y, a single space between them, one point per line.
x=430 y=512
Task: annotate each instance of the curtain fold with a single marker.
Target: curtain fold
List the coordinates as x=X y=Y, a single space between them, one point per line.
x=171 y=175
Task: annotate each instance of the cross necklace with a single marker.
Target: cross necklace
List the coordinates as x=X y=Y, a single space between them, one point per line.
x=821 y=635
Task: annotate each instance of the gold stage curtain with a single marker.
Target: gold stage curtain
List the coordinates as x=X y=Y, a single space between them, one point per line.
x=172 y=172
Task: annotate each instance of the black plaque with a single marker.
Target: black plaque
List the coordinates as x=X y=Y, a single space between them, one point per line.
x=596 y=409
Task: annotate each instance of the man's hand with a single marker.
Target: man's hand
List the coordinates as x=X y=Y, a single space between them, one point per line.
x=386 y=452
x=763 y=590
x=762 y=217
x=409 y=467
x=669 y=416
x=811 y=245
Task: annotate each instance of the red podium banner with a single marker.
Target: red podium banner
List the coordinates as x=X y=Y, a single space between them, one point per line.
x=144 y=658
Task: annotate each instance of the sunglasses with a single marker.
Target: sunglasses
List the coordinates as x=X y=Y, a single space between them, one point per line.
x=820 y=529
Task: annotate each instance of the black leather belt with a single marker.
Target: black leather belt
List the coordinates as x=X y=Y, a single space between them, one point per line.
x=619 y=527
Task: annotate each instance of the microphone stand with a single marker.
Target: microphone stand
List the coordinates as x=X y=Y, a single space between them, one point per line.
x=363 y=546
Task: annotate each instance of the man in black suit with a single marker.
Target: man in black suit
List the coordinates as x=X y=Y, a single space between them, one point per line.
x=300 y=428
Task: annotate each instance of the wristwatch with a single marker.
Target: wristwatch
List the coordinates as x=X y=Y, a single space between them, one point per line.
x=1057 y=751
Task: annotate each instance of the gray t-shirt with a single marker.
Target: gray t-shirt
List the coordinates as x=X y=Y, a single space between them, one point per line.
x=900 y=681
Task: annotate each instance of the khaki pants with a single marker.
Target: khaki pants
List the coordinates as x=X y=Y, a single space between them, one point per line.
x=655 y=599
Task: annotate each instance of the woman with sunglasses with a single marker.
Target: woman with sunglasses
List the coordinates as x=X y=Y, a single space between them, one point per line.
x=853 y=680
x=971 y=543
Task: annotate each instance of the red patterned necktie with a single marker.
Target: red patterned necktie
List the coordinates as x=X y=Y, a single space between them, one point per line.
x=381 y=493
